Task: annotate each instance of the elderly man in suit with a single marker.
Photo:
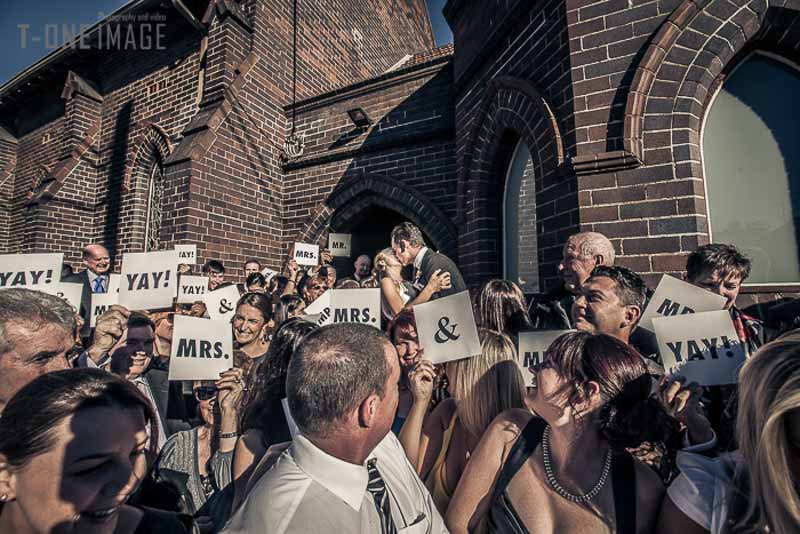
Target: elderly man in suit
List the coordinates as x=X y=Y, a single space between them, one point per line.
x=94 y=278
x=409 y=248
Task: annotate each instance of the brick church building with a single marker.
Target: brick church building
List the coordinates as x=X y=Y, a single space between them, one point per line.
x=661 y=123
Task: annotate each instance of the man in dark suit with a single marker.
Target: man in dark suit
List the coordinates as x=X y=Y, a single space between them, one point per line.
x=94 y=279
x=409 y=249
x=134 y=360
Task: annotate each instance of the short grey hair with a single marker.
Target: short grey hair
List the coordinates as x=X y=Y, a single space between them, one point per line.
x=590 y=244
x=35 y=310
x=332 y=371
x=408 y=232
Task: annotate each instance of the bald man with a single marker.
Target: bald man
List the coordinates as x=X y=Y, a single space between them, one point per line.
x=581 y=254
x=94 y=278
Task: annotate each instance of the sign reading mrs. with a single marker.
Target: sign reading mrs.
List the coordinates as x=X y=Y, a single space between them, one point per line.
x=201 y=348
x=446 y=328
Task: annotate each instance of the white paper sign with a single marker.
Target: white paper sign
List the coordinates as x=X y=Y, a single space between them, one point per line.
x=531 y=348
x=30 y=270
x=446 y=328
x=703 y=347
x=201 y=348
x=148 y=280
x=70 y=292
x=353 y=306
x=114 y=283
x=100 y=303
x=339 y=245
x=676 y=297
x=323 y=301
x=268 y=273
x=221 y=303
x=191 y=288
x=187 y=254
x=293 y=430
x=305 y=254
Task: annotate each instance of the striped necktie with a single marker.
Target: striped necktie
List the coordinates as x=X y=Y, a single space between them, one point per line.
x=377 y=488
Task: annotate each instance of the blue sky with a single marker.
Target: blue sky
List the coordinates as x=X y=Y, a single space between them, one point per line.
x=23 y=46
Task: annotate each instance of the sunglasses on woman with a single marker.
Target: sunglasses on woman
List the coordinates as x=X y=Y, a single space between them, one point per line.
x=205 y=393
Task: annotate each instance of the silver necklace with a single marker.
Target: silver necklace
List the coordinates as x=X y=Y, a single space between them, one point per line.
x=558 y=488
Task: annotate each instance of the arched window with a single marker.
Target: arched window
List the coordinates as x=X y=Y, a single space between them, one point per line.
x=155 y=206
x=520 y=258
x=751 y=157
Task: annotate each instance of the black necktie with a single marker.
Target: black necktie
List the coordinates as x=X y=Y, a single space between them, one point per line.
x=377 y=488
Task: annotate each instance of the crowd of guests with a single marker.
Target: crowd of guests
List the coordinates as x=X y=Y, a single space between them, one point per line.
x=349 y=428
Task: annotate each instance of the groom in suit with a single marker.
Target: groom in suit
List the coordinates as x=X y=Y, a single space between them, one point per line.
x=94 y=279
x=409 y=248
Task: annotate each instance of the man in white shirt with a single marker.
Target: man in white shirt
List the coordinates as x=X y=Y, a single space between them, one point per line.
x=345 y=472
x=94 y=278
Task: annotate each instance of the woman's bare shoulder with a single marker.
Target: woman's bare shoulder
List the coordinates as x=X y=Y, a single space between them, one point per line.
x=509 y=424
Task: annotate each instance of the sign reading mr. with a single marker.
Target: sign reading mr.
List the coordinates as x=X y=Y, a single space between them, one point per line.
x=148 y=280
x=676 y=297
x=29 y=270
x=447 y=328
x=339 y=245
x=201 y=348
x=531 y=349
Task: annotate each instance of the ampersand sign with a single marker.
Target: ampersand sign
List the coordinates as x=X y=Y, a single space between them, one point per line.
x=224 y=307
x=446 y=332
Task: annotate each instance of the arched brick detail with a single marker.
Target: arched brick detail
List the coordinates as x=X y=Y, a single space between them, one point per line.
x=511 y=108
x=681 y=66
x=153 y=148
x=353 y=196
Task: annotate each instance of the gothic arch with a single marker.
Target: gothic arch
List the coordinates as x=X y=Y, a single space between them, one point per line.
x=366 y=190
x=683 y=65
x=512 y=108
x=136 y=209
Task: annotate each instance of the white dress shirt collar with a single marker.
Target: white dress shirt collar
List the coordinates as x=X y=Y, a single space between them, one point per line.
x=345 y=480
x=418 y=259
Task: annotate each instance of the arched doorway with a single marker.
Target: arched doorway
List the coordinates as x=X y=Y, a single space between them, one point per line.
x=370 y=228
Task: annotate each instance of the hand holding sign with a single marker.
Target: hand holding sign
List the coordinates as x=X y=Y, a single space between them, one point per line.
x=447 y=328
x=201 y=348
x=703 y=347
x=676 y=297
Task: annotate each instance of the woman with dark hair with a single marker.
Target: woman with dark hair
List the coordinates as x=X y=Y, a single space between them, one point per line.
x=73 y=448
x=288 y=306
x=565 y=469
x=198 y=462
x=250 y=331
x=500 y=306
x=263 y=422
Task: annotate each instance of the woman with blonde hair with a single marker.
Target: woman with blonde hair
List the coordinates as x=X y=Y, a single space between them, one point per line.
x=481 y=387
x=755 y=488
x=396 y=292
x=501 y=306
